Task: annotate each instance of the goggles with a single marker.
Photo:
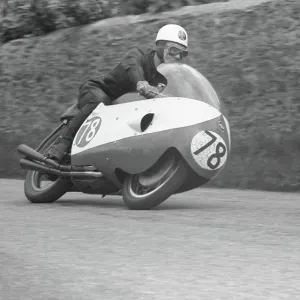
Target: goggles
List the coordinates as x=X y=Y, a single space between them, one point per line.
x=174 y=51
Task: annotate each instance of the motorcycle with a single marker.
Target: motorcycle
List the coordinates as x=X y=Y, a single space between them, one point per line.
x=144 y=150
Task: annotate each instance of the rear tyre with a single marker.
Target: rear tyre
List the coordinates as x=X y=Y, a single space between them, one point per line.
x=149 y=189
x=34 y=188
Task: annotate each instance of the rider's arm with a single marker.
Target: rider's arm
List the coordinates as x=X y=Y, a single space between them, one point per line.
x=133 y=66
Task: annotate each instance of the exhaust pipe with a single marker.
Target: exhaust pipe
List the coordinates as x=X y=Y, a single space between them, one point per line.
x=34 y=155
x=31 y=165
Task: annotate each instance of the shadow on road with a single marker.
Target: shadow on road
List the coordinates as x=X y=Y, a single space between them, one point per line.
x=93 y=203
x=117 y=203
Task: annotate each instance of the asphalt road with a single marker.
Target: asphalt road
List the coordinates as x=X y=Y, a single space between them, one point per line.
x=205 y=244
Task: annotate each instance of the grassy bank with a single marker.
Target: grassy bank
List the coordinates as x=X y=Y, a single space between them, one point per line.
x=247 y=49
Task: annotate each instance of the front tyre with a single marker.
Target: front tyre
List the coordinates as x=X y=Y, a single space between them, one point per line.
x=149 y=189
x=37 y=192
x=52 y=187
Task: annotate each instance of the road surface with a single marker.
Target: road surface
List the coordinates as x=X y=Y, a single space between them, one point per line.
x=205 y=244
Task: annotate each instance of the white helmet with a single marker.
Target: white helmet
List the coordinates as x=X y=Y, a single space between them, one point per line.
x=173 y=33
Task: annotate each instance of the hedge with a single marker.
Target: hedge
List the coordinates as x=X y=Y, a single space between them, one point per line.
x=22 y=18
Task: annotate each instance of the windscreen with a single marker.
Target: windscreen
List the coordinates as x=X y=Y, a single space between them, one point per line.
x=184 y=81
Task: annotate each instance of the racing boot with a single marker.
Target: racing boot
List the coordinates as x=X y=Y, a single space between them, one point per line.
x=59 y=149
x=64 y=142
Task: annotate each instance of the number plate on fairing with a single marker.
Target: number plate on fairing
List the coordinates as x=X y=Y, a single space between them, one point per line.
x=209 y=150
x=87 y=131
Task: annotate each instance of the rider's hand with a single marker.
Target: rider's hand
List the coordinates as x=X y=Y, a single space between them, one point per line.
x=147 y=90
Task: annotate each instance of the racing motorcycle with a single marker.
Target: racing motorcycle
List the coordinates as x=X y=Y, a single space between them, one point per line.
x=144 y=150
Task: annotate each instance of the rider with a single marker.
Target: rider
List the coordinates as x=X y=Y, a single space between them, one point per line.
x=137 y=71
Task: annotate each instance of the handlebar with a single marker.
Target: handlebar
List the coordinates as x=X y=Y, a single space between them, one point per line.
x=158 y=94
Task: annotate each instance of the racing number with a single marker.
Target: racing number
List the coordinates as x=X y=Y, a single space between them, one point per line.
x=90 y=129
x=220 y=151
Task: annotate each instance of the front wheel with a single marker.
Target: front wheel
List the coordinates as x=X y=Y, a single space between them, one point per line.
x=150 y=188
x=42 y=188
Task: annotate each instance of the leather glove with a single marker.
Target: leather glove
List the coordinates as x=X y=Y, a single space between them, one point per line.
x=146 y=90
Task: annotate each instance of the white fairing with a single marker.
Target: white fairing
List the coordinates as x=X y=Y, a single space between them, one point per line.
x=123 y=120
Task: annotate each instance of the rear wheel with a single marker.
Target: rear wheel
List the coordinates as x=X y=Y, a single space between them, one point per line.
x=43 y=188
x=150 y=188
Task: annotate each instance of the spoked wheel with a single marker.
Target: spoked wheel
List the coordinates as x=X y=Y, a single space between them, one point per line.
x=150 y=188
x=44 y=188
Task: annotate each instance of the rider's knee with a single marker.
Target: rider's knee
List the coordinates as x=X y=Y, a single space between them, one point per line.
x=91 y=93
